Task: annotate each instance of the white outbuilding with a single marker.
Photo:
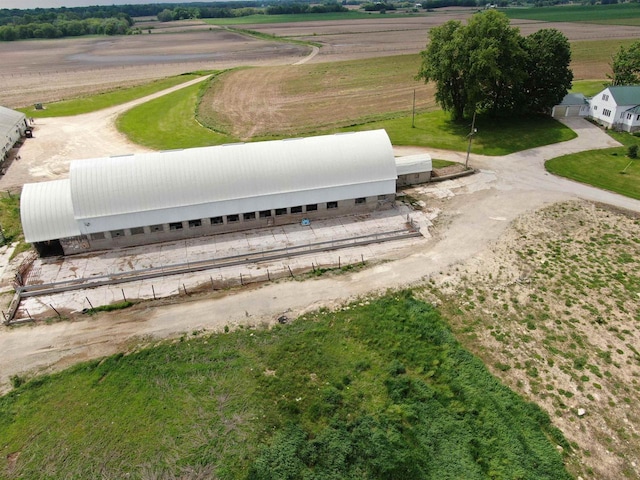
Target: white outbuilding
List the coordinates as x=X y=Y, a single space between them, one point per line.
x=13 y=126
x=161 y=196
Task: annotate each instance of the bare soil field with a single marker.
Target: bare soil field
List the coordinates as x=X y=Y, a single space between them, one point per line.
x=49 y=70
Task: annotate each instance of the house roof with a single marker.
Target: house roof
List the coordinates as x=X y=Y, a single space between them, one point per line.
x=626 y=95
x=635 y=109
x=574 y=99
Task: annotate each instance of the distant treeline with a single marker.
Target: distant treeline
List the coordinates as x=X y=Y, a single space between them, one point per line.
x=183 y=12
x=64 y=27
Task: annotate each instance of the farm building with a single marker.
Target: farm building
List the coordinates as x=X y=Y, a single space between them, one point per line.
x=617 y=108
x=413 y=169
x=162 y=196
x=13 y=126
x=572 y=105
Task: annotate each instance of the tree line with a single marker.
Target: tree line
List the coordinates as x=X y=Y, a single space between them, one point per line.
x=58 y=28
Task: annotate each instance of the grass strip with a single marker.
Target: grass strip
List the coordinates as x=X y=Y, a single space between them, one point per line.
x=291 y=18
x=111 y=98
x=379 y=389
x=618 y=14
x=169 y=122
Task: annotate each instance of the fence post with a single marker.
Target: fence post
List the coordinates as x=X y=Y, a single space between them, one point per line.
x=153 y=290
x=89 y=303
x=123 y=295
x=54 y=309
x=185 y=289
x=268 y=275
x=290 y=272
x=241 y=282
x=339 y=262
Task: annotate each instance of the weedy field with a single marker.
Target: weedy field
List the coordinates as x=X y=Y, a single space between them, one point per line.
x=554 y=311
x=377 y=389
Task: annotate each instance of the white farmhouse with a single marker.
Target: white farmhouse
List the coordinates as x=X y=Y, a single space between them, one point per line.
x=617 y=108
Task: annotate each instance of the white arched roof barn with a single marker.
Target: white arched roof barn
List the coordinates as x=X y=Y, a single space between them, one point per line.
x=107 y=194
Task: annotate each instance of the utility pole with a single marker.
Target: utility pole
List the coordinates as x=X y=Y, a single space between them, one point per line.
x=473 y=131
x=413 y=115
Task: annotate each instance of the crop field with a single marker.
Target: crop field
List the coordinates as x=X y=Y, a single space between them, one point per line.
x=292 y=18
x=619 y=14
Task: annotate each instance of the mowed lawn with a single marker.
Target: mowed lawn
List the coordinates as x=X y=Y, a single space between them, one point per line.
x=168 y=122
x=609 y=169
x=618 y=14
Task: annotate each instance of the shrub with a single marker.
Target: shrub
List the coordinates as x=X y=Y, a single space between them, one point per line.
x=632 y=151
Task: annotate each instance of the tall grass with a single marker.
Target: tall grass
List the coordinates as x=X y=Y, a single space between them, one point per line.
x=380 y=389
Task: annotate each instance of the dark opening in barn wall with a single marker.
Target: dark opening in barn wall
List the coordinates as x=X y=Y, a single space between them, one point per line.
x=50 y=248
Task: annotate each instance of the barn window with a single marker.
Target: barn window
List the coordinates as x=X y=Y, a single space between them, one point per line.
x=281 y=211
x=312 y=207
x=97 y=236
x=137 y=231
x=156 y=228
x=265 y=213
x=605 y=97
x=332 y=205
x=361 y=200
x=629 y=116
x=606 y=112
x=117 y=233
x=175 y=226
x=249 y=216
x=216 y=221
x=638 y=118
x=195 y=223
x=297 y=209
x=233 y=218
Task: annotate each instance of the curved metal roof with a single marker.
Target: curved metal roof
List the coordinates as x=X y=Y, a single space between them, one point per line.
x=9 y=119
x=244 y=177
x=46 y=211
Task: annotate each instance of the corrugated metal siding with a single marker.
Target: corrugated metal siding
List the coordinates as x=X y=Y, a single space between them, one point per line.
x=46 y=211
x=265 y=174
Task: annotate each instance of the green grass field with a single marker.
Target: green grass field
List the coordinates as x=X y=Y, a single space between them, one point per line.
x=603 y=168
x=293 y=18
x=111 y=98
x=619 y=14
x=168 y=122
x=381 y=389
x=494 y=137
x=587 y=87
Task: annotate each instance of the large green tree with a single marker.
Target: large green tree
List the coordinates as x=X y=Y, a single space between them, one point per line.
x=626 y=66
x=486 y=66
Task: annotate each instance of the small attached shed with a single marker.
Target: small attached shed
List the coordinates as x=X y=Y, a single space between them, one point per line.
x=413 y=169
x=13 y=126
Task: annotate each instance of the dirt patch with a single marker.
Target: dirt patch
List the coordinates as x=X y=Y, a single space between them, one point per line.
x=552 y=308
